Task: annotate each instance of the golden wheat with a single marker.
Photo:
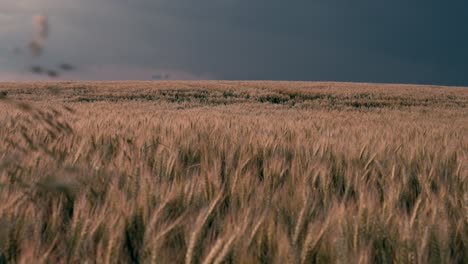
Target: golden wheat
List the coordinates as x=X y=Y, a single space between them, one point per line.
x=233 y=172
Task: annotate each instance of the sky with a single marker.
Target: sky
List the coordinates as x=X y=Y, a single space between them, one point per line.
x=398 y=41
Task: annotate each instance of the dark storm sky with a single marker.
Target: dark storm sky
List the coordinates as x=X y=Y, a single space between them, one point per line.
x=337 y=40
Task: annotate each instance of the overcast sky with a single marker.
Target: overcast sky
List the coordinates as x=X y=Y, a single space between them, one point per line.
x=403 y=41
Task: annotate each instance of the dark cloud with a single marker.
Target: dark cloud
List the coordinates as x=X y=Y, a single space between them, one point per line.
x=363 y=40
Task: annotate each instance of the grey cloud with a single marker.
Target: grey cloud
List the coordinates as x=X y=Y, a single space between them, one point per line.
x=363 y=40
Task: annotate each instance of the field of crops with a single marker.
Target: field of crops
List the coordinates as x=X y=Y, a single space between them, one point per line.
x=233 y=172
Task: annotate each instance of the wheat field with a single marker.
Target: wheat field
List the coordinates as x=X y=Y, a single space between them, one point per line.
x=233 y=172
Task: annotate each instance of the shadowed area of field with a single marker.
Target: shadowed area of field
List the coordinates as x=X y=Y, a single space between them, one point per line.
x=233 y=172
x=325 y=95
